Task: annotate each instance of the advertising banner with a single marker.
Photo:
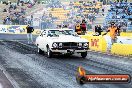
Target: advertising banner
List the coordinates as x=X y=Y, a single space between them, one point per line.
x=17 y=29
x=3 y=29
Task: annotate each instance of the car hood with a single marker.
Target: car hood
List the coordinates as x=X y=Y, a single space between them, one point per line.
x=67 y=38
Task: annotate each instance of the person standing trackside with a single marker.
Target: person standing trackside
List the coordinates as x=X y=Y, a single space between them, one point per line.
x=78 y=28
x=83 y=27
x=113 y=33
x=100 y=29
x=29 y=34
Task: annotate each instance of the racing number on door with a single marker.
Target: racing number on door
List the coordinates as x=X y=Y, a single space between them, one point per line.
x=94 y=42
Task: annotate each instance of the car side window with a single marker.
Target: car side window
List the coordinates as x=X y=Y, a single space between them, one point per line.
x=49 y=34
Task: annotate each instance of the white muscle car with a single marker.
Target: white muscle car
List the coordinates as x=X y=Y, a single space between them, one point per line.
x=61 y=41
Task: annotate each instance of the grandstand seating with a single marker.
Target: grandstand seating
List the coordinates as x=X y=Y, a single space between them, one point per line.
x=34 y=9
x=29 y=11
x=101 y=19
x=116 y=13
x=60 y=13
x=3 y=14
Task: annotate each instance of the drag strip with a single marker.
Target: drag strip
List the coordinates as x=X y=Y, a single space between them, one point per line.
x=32 y=70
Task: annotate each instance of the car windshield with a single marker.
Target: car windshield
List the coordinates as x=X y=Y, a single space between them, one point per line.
x=60 y=32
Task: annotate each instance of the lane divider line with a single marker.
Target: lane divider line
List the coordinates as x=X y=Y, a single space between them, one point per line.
x=9 y=77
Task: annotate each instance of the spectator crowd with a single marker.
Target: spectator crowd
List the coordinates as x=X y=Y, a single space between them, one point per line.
x=121 y=14
x=16 y=13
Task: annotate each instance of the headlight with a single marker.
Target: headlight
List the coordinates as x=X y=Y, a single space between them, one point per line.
x=85 y=44
x=55 y=45
x=60 y=44
x=79 y=44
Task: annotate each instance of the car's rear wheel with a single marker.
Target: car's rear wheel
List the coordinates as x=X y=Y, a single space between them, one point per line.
x=84 y=54
x=40 y=51
x=49 y=53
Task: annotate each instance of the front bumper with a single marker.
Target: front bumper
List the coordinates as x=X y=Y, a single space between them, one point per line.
x=61 y=50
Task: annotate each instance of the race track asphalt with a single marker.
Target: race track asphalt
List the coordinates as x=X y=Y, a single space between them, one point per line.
x=31 y=70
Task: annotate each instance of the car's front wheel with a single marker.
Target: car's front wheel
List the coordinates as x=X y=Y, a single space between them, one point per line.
x=49 y=53
x=84 y=54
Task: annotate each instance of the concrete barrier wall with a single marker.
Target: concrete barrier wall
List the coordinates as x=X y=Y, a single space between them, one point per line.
x=102 y=43
x=96 y=43
x=122 y=49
